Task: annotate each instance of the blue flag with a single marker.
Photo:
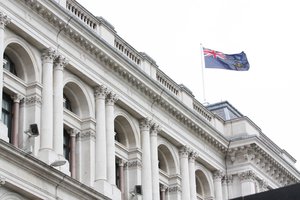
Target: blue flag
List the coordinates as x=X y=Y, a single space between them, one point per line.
x=216 y=59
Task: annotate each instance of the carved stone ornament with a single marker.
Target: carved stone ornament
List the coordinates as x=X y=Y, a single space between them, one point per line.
x=155 y=128
x=134 y=163
x=193 y=155
x=17 y=98
x=49 y=55
x=174 y=189
x=100 y=91
x=87 y=135
x=184 y=151
x=145 y=123
x=247 y=176
x=60 y=62
x=4 y=20
x=111 y=98
x=31 y=100
x=218 y=175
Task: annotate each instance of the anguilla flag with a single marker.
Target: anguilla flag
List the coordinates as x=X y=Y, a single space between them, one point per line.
x=216 y=59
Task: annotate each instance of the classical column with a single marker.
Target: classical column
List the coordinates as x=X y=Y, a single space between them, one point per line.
x=110 y=138
x=154 y=161
x=46 y=137
x=122 y=178
x=247 y=179
x=163 y=189
x=225 y=187
x=184 y=170
x=73 y=133
x=100 y=148
x=217 y=176
x=58 y=111
x=146 y=159
x=4 y=20
x=16 y=118
x=193 y=191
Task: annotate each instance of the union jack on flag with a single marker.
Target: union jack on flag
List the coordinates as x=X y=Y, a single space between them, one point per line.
x=216 y=59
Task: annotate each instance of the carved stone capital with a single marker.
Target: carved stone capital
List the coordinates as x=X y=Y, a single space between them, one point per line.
x=163 y=188
x=263 y=185
x=175 y=188
x=49 y=55
x=247 y=176
x=155 y=128
x=145 y=124
x=31 y=100
x=193 y=155
x=111 y=98
x=218 y=175
x=184 y=151
x=60 y=62
x=73 y=132
x=4 y=20
x=100 y=91
x=17 y=98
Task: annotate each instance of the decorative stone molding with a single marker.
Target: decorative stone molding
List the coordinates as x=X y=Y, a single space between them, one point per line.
x=163 y=188
x=145 y=123
x=31 y=100
x=87 y=135
x=184 y=151
x=247 y=176
x=175 y=188
x=263 y=185
x=49 y=55
x=4 y=20
x=134 y=163
x=73 y=132
x=60 y=62
x=17 y=98
x=193 y=155
x=218 y=175
x=155 y=129
x=111 y=98
x=100 y=91
x=2 y=180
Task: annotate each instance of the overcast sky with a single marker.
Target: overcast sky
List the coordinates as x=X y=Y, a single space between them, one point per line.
x=268 y=31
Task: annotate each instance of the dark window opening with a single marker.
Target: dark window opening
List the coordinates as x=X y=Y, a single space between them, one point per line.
x=67 y=103
x=9 y=65
x=67 y=147
x=6 y=117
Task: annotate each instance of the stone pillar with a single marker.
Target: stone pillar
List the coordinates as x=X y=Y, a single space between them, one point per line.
x=110 y=138
x=146 y=159
x=100 y=149
x=192 y=177
x=4 y=20
x=217 y=175
x=184 y=170
x=163 y=189
x=58 y=111
x=122 y=179
x=154 y=161
x=73 y=133
x=16 y=119
x=46 y=152
x=225 y=187
x=247 y=182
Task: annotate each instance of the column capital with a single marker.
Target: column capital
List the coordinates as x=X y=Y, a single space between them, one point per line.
x=247 y=175
x=155 y=129
x=100 y=91
x=73 y=132
x=48 y=55
x=4 y=20
x=184 y=151
x=163 y=188
x=111 y=98
x=263 y=185
x=87 y=135
x=17 y=98
x=60 y=62
x=218 y=175
x=193 y=155
x=145 y=124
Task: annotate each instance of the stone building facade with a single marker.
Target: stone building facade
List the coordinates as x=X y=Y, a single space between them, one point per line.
x=86 y=116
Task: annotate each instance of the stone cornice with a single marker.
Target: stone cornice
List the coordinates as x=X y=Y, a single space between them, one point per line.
x=254 y=154
x=213 y=138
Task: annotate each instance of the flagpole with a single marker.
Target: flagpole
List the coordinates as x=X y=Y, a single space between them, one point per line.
x=202 y=70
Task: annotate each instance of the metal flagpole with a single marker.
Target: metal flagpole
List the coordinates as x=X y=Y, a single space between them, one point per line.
x=202 y=70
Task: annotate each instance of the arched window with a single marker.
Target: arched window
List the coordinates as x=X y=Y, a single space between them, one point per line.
x=67 y=103
x=6 y=117
x=9 y=65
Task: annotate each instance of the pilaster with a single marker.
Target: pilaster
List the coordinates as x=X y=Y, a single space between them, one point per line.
x=184 y=170
x=155 y=128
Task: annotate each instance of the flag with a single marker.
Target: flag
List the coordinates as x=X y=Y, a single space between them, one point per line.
x=216 y=59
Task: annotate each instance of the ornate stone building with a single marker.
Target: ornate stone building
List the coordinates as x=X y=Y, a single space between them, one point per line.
x=86 y=116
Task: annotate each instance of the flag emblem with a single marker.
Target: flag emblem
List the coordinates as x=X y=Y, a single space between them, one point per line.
x=216 y=59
